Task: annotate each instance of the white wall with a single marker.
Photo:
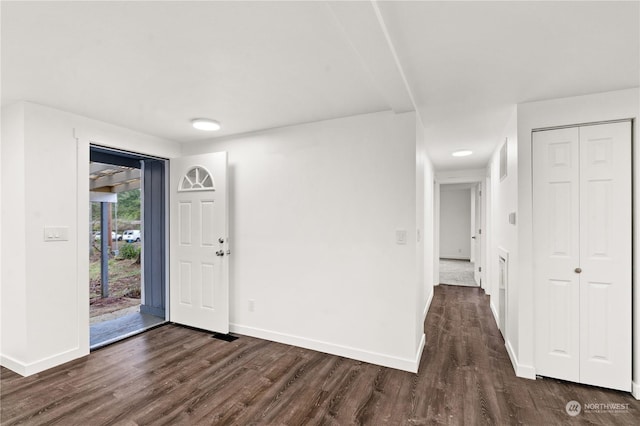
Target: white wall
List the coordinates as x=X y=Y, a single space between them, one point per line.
x=2 y=134
x=12 y=310
x=455 y=222
x=502 y=198
x=429 y=235
x=314 y=211
x=558 y=112
x=420 y=299
x=425 y=237
x=45 y=182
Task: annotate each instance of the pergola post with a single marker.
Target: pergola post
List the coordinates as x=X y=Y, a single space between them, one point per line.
x=109 y=227
x=105 y=239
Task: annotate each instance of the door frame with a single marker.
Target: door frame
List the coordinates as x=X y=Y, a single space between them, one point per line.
x=86 y=133
x=474 y=176
x=160 y=263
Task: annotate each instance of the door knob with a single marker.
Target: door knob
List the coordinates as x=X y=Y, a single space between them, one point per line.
x=578 y=270
x=220 y=253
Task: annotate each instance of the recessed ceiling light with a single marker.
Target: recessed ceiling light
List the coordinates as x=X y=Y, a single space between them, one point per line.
x=205 y=124
x=462 y=153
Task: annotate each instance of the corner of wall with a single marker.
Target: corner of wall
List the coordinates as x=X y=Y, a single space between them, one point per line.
x=635 y=390
x=28 y=369
x=12 y=278
x=521 y=370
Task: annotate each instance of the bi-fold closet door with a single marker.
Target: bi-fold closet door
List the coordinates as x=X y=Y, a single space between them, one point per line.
x=582 y=253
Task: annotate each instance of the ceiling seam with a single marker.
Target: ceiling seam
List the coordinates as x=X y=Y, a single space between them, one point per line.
x=362 y=61
x=387 y=37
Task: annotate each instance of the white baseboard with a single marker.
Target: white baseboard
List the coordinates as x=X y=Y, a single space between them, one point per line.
x=635 y=390
x=423 y=341
x=494 y=312
x=521 y=370
x=427 y=306
x=13 y=365
x=27 y=369
x=385 y=360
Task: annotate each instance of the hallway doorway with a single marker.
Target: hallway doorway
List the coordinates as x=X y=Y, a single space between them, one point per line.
x=460 y=223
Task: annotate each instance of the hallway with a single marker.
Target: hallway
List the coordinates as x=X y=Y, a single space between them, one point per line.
x=180 y=376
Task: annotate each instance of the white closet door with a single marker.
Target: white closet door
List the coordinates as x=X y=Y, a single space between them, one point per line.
x=556 y=200
x=605 y=255
x=582 y=254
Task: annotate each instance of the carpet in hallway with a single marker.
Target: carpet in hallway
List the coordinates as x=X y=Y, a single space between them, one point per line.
x=457 y=272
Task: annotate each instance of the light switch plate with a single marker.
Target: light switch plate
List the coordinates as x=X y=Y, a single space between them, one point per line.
x=56 y=233
x=401 y=236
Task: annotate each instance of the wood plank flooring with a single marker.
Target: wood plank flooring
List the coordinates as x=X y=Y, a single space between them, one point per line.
x=178 y=376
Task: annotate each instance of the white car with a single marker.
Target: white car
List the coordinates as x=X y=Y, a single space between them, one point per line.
x=131 y=235
x=114 y=236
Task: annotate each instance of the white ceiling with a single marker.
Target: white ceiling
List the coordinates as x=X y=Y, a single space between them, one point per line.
x=153 y=66
x=468 y=63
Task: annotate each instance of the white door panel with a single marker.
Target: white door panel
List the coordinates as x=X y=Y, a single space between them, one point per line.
x=199 y=286
x=582 y=254
x=605 y=256
x=556 y=253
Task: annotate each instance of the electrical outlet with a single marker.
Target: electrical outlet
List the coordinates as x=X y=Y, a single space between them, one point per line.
x=252 y=305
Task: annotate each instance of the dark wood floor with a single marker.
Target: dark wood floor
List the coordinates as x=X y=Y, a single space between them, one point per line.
x=177 y=376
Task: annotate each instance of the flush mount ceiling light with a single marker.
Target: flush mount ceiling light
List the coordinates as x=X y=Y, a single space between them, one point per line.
x=462 y=153
x=205 y=124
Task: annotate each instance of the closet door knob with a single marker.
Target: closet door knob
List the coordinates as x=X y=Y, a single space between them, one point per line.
x=578 y=270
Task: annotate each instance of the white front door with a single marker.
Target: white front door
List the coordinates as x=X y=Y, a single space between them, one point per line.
x=582 y=254
x=199 y=279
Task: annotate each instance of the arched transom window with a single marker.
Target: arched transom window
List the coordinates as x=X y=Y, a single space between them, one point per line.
x=197 y=179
